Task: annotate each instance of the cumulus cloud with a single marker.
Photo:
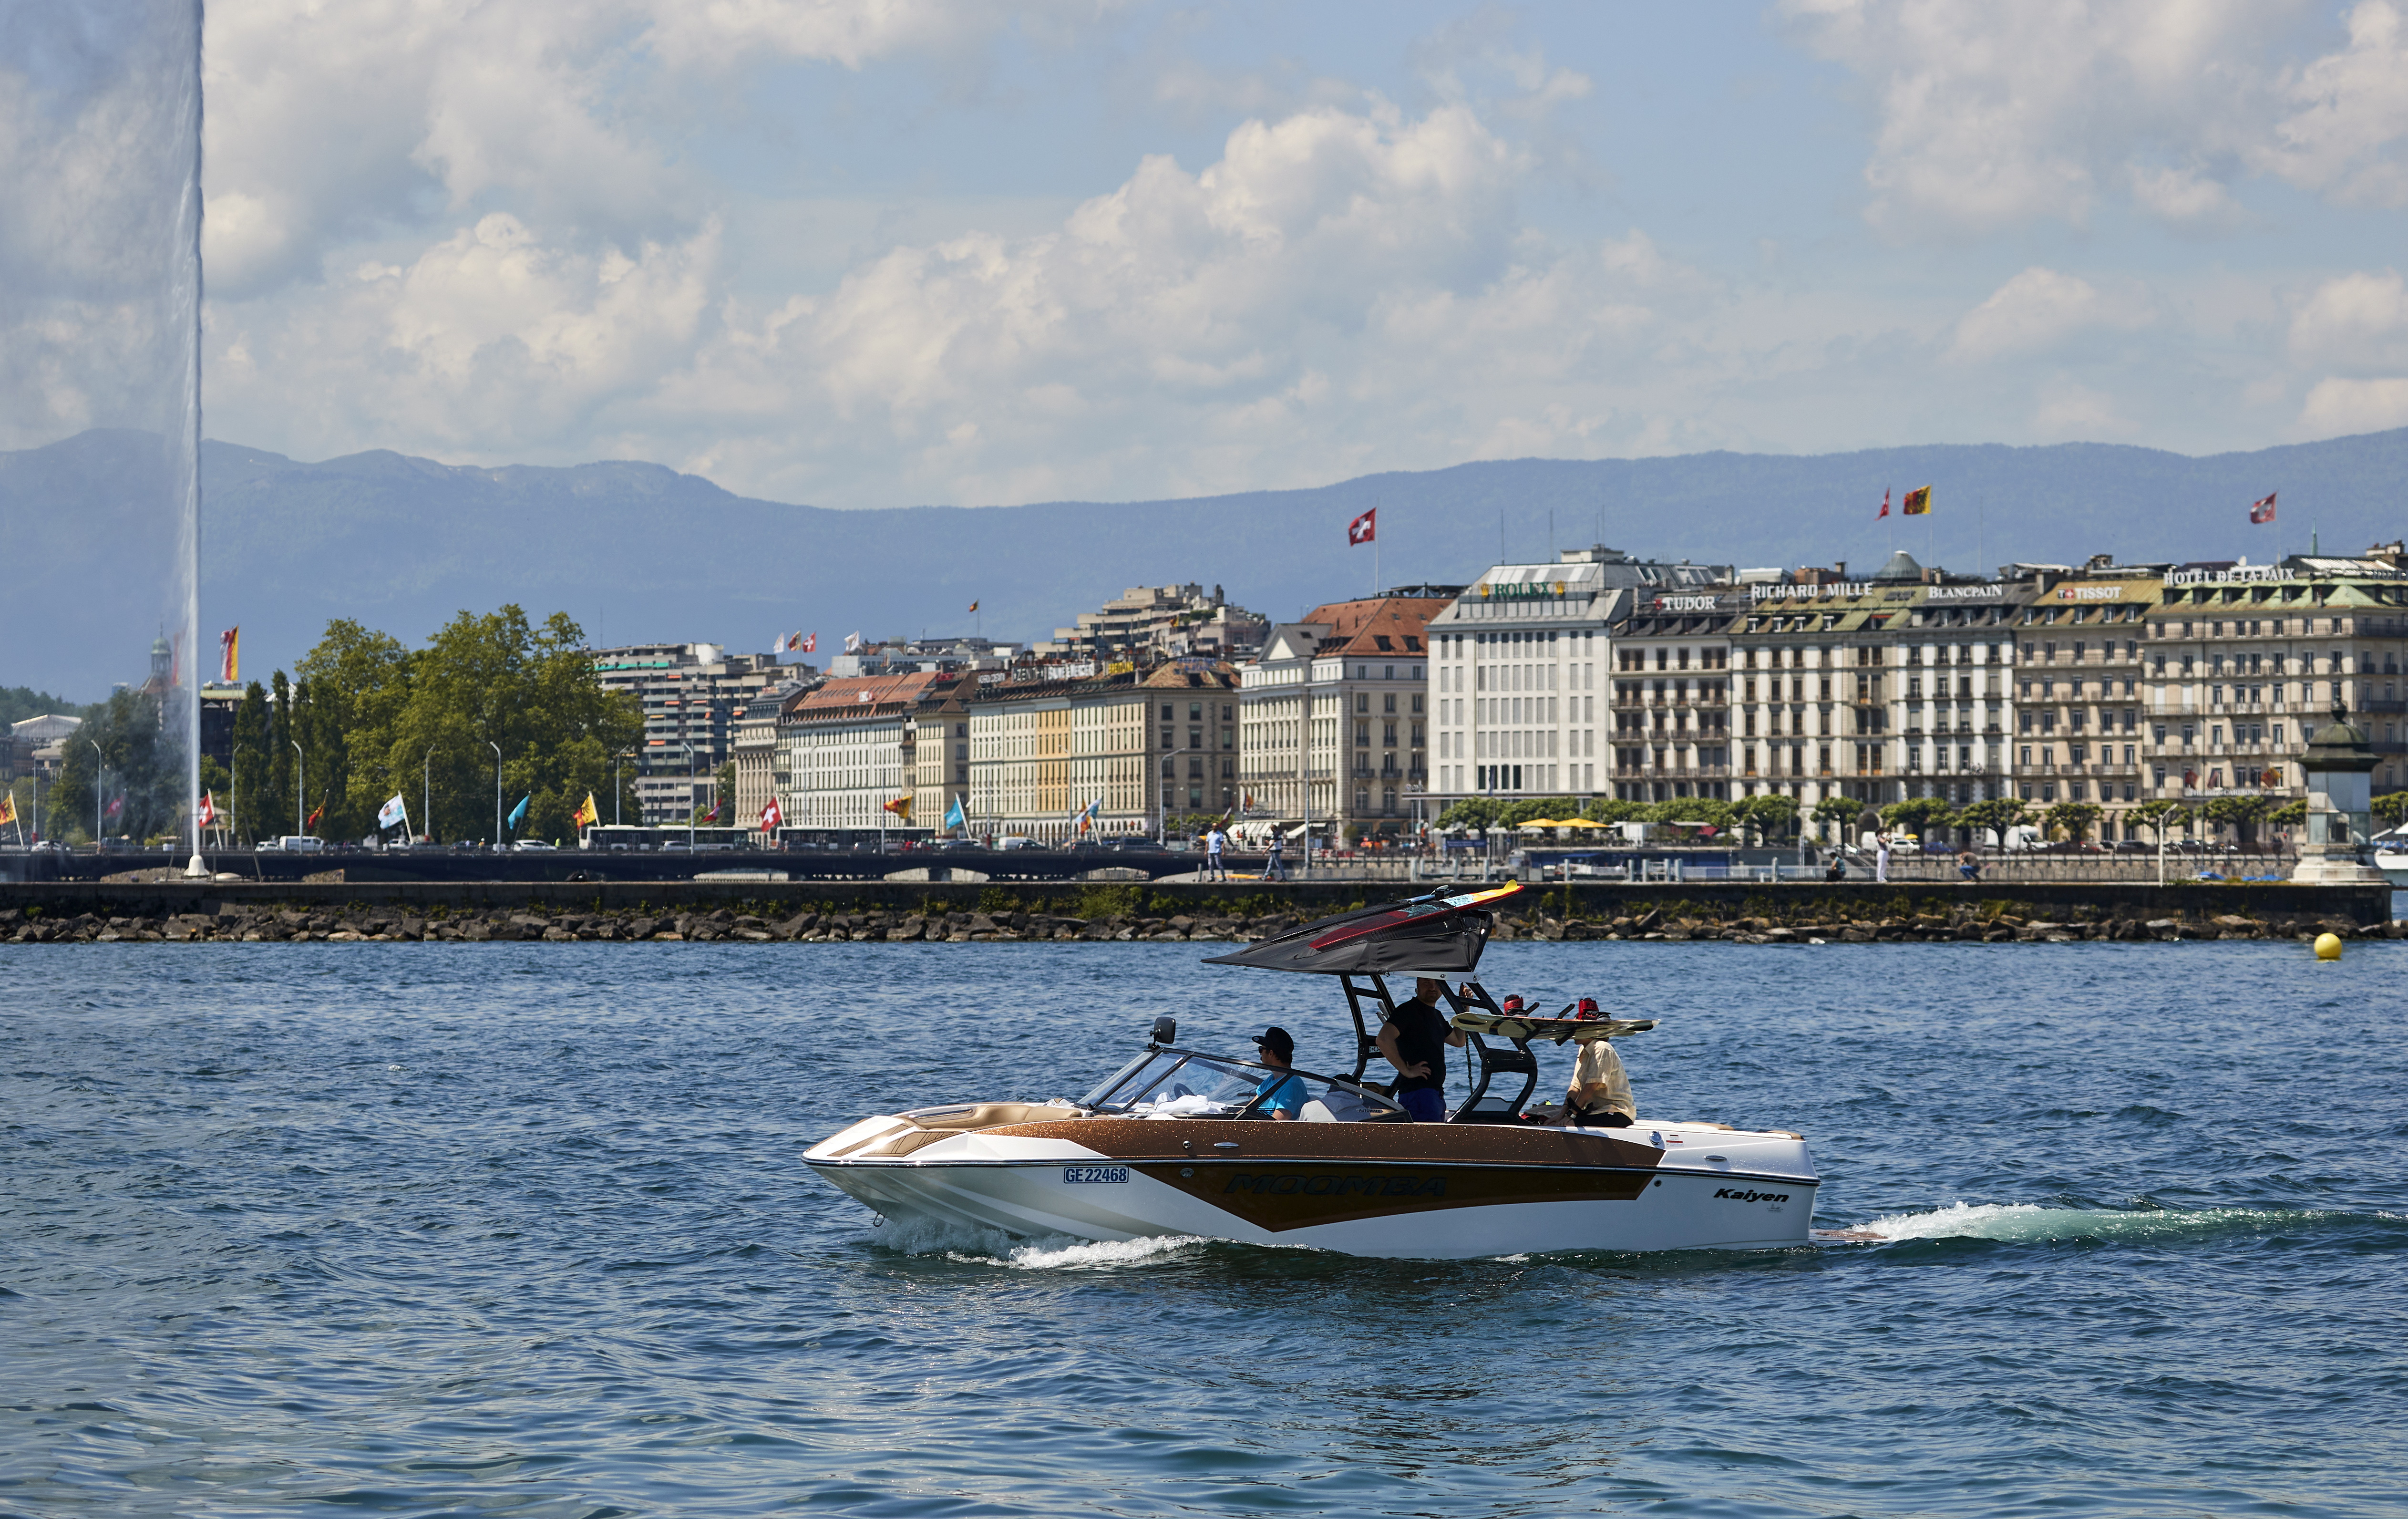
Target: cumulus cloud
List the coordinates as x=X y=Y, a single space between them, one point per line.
x=2037 y=310
x=2336 y=408
x=2357 y=319
x=1993 y=116
x=2350 y=111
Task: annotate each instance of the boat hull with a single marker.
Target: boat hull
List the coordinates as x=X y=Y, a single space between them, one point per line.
x=1419 y=1191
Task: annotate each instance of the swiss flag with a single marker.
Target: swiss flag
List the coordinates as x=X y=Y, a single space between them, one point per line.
x=1363 y=529
x=208 y=808
x=2263 y=512
x=810 y=643
x=771 y=817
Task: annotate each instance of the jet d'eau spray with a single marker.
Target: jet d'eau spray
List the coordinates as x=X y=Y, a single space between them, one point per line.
x=184 y=312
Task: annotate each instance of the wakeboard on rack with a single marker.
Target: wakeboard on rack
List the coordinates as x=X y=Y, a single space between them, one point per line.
x=1515 y=1025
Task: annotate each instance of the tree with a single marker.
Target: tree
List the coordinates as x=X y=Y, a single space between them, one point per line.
x=2239 y=813
x=358 y=682
x=253 y=813
x=2157 y=816
x=1611 y=809
x=1919 y=815
x=2292 y=814
x=1995 y=816
x=2073 y=819
x=1474 y=815
x=499 y=679
x=2391 y=807
x=1839 y=814
x=140 y=775
x=1770 y=813
x=276 y=805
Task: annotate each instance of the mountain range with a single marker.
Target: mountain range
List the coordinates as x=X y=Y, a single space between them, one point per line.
x=637 y=553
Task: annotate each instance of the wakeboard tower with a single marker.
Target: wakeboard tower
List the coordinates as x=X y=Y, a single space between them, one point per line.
x=1178 y=1142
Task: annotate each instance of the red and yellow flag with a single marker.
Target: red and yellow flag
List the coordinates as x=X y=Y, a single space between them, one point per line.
x=230 y=656
x=7 y=808
x=1915 y=503
x=900 y=807
x=587 y=814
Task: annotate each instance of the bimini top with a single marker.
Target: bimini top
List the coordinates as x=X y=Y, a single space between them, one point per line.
x=1435 y=935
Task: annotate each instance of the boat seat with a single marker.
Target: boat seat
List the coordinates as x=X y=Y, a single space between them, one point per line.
x=1317 y=1111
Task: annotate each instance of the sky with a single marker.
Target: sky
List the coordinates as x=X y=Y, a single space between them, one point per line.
x=881 y=253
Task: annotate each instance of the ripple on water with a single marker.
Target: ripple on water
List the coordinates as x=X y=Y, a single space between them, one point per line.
x=521 y=1228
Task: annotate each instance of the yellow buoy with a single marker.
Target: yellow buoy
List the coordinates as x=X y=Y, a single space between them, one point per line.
x=2327 y=946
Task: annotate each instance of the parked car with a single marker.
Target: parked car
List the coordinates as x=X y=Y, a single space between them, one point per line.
x=298 y=843
x=1015 y=841
x=534 y=843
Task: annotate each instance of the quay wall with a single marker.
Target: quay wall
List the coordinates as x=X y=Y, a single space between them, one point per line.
x=51 y=910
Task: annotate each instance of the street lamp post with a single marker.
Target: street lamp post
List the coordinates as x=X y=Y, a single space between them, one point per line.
x=300 y=788
x=426 y=795
x=689 y=794
x=498 y=790
x=99 y=762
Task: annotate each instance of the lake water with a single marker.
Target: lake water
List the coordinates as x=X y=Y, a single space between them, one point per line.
x=519 y=1229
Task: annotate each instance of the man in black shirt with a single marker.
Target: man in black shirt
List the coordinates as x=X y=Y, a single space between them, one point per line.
x=1414 y=1040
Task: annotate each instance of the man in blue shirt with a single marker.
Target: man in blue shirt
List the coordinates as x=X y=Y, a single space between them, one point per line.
x=1282 y=1095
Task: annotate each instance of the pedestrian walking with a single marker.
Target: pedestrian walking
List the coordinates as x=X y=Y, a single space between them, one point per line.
x=1213 y=843
x=1274 y=868
x=1881 y=857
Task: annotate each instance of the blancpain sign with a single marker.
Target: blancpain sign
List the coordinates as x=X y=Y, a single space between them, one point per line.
x=1966 y=592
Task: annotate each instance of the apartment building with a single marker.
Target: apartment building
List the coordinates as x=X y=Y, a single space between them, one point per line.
x=1147 y=624
x=1875 y=690
x=1668 y=730
x=2080 y=725
x=690 y=694
x=760 y=757
x=1519 y=667
x=1334 y=720
x=850 y=748
x=1135 y=744
x=2243 y=662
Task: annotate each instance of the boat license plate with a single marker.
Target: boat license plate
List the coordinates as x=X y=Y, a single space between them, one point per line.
x=1075 y=1175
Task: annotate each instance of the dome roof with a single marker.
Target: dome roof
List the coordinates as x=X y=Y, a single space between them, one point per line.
x=1901 y=567
x=2339 y=745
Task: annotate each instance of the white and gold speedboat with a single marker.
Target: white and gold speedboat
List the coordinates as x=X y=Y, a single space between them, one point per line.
x=1174 y=1143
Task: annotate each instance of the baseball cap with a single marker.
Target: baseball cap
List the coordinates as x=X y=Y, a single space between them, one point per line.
x=1278 y=1041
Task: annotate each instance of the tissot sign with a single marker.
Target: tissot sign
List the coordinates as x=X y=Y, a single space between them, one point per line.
x=2118 y=591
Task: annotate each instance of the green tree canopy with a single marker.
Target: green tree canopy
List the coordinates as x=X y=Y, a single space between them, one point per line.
x=2392 y=808
x=1771 y=813
x=2291 y=814
x=2073 y=819
x=1839 y=814
x=2157 y=815
x=1920 y=815
x=1995 y=816
x=136 y=781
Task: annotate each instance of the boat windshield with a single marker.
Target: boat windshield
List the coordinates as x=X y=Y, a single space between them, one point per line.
x=1175 y=1083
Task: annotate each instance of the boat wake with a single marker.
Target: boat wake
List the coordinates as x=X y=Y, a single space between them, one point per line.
x=971 y=1246
x=2032 y=1223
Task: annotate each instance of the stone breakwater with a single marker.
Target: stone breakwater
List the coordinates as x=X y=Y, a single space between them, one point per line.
x=1803 y=921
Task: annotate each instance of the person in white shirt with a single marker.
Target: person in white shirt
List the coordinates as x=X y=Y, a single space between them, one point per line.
x=1881 y=857
x=1599 y=1094
x=1213 y=843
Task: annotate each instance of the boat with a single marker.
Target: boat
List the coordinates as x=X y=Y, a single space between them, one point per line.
x=2391 y=856
x=1175 y=1143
